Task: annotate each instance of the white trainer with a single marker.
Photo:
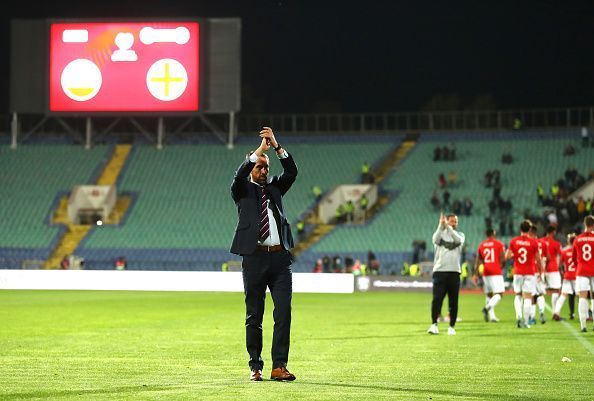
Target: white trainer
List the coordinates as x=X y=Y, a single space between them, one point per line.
x=433 y=329
x=451 y=331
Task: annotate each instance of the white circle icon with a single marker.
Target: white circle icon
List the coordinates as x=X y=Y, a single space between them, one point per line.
x=167 y=79
x=81 y=80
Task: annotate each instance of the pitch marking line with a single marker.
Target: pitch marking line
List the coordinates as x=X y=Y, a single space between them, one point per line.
x=587 y=344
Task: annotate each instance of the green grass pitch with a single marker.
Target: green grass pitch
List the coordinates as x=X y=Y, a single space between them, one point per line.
x=77 y=345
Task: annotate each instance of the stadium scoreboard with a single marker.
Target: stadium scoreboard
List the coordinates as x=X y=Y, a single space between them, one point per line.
x=86 y=67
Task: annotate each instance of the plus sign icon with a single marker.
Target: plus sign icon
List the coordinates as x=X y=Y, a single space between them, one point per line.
x=124 y=67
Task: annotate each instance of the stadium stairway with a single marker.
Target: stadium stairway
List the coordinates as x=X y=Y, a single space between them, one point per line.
x=392 y=161
x=379 y=172
x=75 y=233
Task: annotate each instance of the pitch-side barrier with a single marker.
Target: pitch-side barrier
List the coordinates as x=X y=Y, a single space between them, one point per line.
x=130 y=280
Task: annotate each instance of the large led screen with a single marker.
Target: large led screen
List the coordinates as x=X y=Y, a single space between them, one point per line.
x=124 y=67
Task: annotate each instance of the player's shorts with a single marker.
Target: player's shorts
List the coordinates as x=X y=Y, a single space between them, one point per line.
x=494 y=284
x=524 y=283
x=568 y=287
x=540 y=287
x=584 y=283
x=553 y=280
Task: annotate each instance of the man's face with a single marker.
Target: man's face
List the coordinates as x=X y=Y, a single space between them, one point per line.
x=453 y=221
x=260 y=170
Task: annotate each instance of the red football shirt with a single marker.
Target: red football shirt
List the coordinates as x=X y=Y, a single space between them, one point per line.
x=567 y=258
x=543 y=251
x=583 y=251
x=554 y=253
x=490 y=251
x=524 y=249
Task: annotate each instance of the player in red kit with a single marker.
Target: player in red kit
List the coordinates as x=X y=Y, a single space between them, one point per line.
x=583 y=257
x=491 y=253
x=568 y=288
x=541 y=290
x=524 y=251
x=552 y=276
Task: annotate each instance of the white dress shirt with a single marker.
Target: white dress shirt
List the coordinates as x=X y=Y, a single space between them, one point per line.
x=273 y=237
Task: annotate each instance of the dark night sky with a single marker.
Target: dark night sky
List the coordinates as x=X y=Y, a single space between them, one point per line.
x=382 y=56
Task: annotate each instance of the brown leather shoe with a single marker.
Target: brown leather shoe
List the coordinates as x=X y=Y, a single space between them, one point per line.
x=282 y=374
x=256 y=376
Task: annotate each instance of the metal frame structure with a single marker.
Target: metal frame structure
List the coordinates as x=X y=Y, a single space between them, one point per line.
x=88 y=130
x=227 y=126
x=466 y=120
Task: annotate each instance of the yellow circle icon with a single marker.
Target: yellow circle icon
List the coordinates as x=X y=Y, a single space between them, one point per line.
x=81 y=80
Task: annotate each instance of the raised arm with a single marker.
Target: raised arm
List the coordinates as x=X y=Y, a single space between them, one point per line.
x=240 y=180
x=286 y=179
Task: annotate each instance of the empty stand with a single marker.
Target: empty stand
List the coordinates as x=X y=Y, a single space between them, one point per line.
x=32 y=180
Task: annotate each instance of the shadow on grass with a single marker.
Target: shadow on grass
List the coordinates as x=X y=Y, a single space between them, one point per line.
x=74 y=392
x=429 y=393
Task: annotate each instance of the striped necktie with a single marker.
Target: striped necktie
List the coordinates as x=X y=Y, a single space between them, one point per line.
x=264 y=223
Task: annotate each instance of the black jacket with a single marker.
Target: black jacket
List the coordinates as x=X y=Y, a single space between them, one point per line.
x=244 y=193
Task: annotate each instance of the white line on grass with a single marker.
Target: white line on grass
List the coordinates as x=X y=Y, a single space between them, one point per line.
x=587 y=344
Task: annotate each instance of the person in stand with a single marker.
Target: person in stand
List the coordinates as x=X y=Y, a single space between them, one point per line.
x=365 y=173
x=372 y=263
x=120 y=263
x=363 y=204
x=349 y=209
x=317 y=192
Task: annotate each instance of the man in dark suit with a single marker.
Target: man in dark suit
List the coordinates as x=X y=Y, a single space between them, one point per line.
x=263 y=238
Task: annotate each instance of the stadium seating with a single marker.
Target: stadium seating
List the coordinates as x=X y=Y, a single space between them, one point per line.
x=538 y=157
x=182 y=216
x=33 y=178
x=183 y=196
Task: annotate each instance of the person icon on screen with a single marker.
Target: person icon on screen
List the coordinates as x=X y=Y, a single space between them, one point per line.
x=124 y=42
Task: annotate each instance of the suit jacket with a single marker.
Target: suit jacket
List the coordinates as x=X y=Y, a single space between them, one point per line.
x=244 y=193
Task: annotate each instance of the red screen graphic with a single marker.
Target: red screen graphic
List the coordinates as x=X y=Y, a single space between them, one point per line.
x=124 y=66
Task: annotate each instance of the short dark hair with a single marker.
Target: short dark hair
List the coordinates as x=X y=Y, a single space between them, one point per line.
x=551 y=229
x=589 y=221
x=525 y=226
x=570 y=238
x=450 y=215
x=490 y=232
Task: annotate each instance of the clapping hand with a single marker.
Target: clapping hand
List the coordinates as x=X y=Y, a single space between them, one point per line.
x=267 y=135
